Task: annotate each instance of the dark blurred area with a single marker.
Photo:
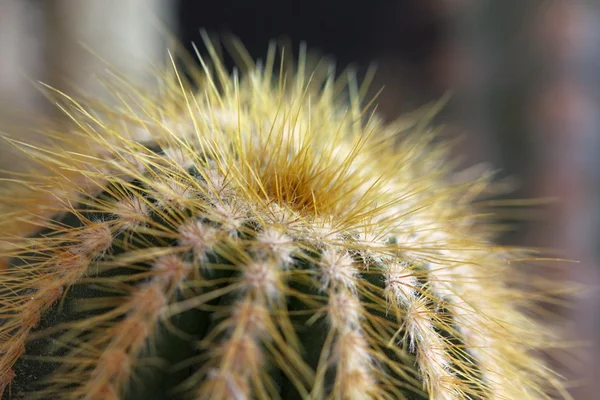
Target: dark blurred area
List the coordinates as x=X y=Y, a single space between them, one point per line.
x=525 y=79
x=406 y=33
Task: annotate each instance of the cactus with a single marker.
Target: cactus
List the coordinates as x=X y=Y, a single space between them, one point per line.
x=263 y=237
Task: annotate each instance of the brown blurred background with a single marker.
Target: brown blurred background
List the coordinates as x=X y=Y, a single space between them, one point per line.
x=525 y=78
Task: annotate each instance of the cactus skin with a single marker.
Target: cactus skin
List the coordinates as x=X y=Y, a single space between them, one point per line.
x=259 y=239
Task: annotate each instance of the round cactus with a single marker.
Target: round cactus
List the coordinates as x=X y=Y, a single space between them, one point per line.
x=263 y=237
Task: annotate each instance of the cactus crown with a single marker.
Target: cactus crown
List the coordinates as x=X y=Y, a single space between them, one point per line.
x=264 y=237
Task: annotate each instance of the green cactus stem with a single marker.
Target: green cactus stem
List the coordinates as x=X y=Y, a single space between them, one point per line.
x=264 y=237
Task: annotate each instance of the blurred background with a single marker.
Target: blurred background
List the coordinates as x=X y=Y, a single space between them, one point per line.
x=524 y=74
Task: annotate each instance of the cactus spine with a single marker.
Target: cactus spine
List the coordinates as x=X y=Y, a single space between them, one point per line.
x=263 y=238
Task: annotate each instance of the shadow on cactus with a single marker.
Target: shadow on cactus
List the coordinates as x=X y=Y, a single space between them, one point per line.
x=263 y=237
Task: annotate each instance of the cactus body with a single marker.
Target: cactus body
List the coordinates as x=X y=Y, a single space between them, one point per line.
x=262 y=238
